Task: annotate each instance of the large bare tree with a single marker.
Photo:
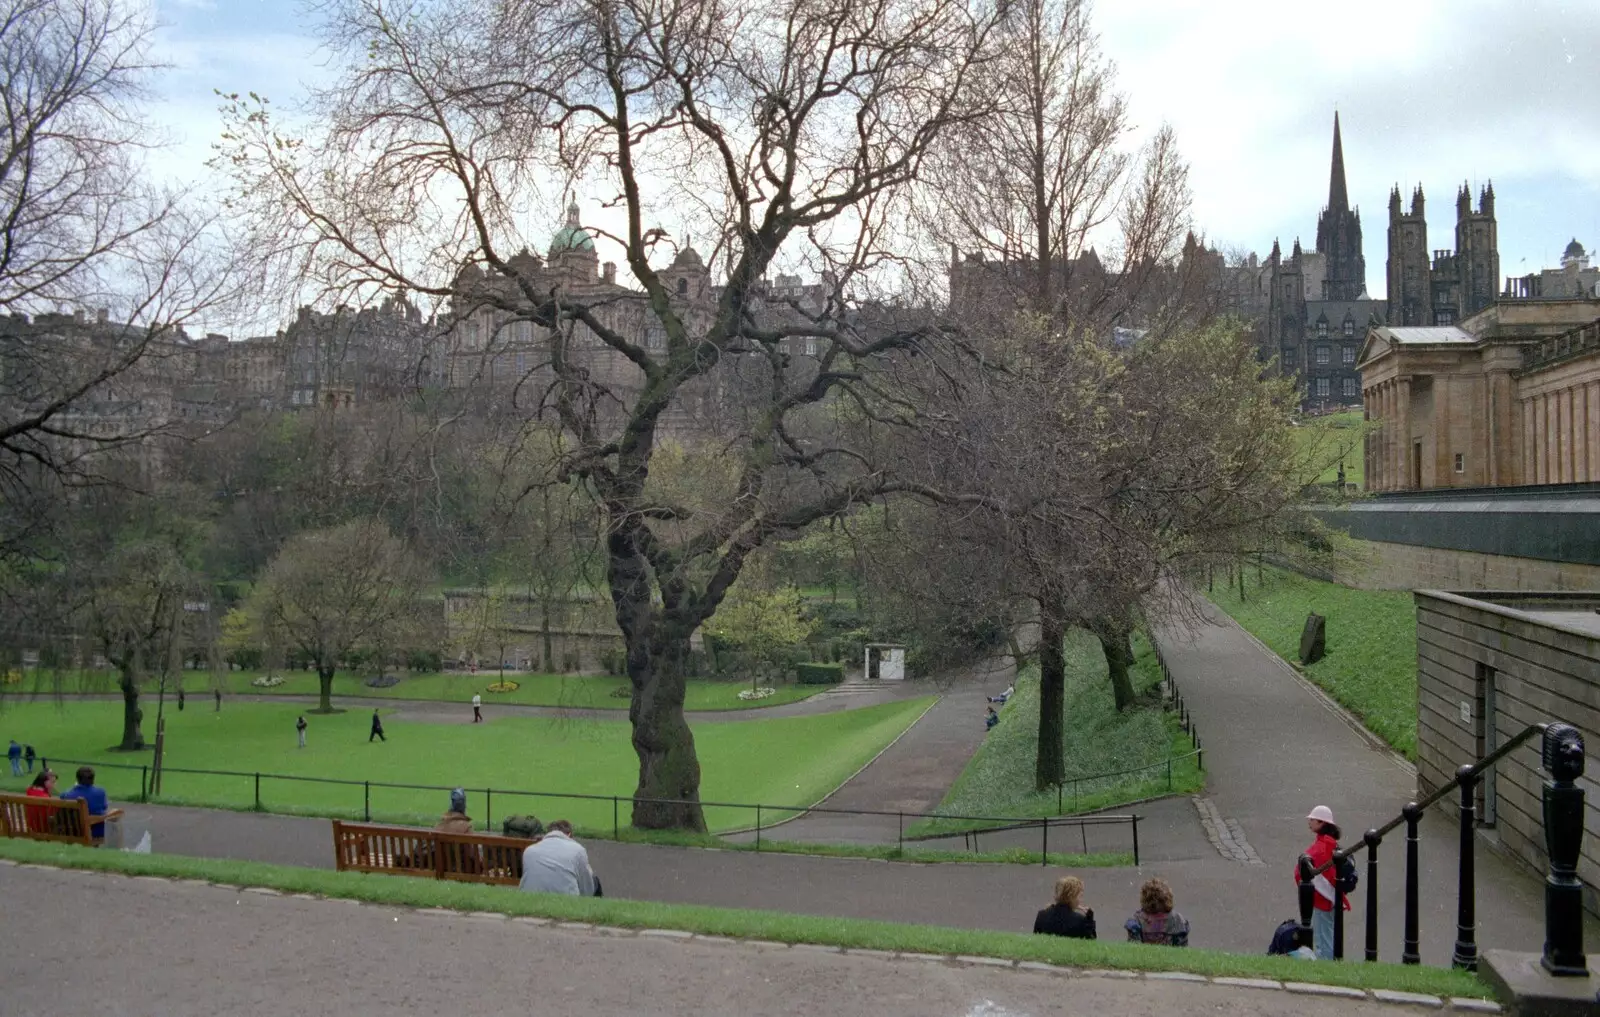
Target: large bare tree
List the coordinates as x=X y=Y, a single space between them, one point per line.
x=781 y=134
x=99 y=268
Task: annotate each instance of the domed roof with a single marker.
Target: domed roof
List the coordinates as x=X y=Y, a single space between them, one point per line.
x=1574 y=249
x=572 y=236
x=688 y=257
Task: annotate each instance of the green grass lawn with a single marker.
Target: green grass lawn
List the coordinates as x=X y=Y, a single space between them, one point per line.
x=998 y=781
x=1333 y=436
x=595 y=692
x=1371 y=663
x=774 y=926
x=778 y=761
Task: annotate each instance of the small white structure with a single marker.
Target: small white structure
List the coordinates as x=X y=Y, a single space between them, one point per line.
x=891 y=658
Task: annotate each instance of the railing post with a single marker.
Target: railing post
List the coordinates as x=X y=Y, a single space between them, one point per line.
x=1563 y=839
x=758 y=828
x=366 y=799
x=1409 y=953
x=1338 y=912
x=1044 y=842
x=1169 y=773
x=1058 y=796
x=1136 y=840
x=1307 y=896
x=615 y=828
x=144 y=784
x=258 y=791
x=1466 y=952
x=1372 y=841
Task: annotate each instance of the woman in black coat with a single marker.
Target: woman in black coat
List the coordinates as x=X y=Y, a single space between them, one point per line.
x=1063 y=918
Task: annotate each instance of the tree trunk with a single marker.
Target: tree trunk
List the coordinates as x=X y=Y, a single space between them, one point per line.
x=324 y=689
x=132 y=737
x=1118 y=650
x=544 y=634
x=1050 y=763
x=669 y=770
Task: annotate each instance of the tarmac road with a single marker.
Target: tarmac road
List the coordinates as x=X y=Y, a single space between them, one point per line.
x=80 y=943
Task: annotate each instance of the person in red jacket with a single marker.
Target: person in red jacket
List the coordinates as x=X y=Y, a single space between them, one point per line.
x=43 y=786
x=1325 y=833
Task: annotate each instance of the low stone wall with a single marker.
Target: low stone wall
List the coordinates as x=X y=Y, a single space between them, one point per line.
x=1386 y=566
x=1488 y=668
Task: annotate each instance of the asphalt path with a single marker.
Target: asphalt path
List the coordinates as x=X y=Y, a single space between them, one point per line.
x=78 y=943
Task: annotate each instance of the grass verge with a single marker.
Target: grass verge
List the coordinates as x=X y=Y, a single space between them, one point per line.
x=573 y=692
x=777 y=761
x=1371 y=664
x=1135 y=745
x=746 y=924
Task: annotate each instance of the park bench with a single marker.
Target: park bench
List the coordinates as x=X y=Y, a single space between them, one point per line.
x=51 y=819
x=410 y=851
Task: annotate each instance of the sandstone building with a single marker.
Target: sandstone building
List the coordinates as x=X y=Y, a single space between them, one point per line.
x=1507 y=396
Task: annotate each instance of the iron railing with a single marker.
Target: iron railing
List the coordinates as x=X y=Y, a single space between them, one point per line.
x=763 y=814
x=1562 y=758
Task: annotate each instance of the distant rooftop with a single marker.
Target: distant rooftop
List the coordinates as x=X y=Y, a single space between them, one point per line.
x=1429 y=334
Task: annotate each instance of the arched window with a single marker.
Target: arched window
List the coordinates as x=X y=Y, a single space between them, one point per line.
x=683 y=287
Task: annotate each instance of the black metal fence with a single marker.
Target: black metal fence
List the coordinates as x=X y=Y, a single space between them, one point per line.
x=763 y=816
x=1563 y=759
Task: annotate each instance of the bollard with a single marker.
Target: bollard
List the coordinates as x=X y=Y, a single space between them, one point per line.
x=1562 y=758
x=1044 y=842
x=366 y=799
x=258 y=791
x=615 y=835
x=1466 y=951
x=1410 y=953
x=1372 y=840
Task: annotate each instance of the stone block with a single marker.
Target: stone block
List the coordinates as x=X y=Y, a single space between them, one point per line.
x=1314 y=639
x=1336 y=991
x=1531 y=991
x=1408 y=998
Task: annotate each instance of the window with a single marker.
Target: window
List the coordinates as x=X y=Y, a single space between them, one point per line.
x=1347 y=355
x=1461 y=463
x=1350 y=391
x=1287 y=359
x=1444 y=316
x=1349 y=327
x=1288 y=289
x=1322 y=330
x=811 y=347
x=683 y=287
x=1322 y=355
x=1322 y=388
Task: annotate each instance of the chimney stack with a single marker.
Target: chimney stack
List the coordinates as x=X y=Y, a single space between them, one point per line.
x=608 y=272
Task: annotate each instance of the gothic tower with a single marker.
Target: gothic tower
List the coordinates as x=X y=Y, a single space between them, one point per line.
x=1339 y=235
x=1410 y=284
x=1477 y=250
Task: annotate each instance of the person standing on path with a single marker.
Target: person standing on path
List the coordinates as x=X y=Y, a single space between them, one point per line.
x=180 y=698
x=477 y=708
x=28 y=756
x=377 y=729
x=218 y=694
x=14 y=753
x=1325 y=841
x=300 y=729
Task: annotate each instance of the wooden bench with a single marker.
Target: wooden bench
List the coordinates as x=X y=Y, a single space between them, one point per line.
x=38 y=818
x=410 y=851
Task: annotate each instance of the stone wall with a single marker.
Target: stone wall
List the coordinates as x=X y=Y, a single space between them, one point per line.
x=1488 y=668
x=1385 y=566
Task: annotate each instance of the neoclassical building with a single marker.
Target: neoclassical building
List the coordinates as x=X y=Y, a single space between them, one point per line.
x=1507 y=396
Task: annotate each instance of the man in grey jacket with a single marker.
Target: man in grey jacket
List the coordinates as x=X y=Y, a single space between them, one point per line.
x=558 y=864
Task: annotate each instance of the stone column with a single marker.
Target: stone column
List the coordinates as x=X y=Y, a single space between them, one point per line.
x=1536 y=473
x=1381 y=439
x=1403 y=397
x=1593 y=429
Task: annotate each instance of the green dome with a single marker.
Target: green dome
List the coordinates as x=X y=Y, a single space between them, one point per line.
x=571 y=237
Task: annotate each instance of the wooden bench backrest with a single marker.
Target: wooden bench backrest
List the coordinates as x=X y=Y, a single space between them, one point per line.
x=45 y=818
x=407 y=850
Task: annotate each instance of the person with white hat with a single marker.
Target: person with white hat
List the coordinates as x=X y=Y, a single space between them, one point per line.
x=1326 y=834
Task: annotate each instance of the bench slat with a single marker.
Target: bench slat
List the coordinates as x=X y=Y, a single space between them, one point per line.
x=412 y=851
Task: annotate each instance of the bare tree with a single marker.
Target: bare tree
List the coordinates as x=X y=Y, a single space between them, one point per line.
x=81 y=231
x=783 y=134
x=330 y=592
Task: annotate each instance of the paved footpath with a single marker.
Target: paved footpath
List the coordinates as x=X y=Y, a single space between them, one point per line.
x=248 y=954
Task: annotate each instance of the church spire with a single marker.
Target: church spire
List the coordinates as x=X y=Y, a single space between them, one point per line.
x=1338 y=196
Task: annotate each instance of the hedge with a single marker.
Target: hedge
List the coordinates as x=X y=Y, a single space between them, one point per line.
x=813 y=673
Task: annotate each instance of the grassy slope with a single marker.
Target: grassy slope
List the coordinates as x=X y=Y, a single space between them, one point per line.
x=783 y=761
x=998 y=781
x=596 y=692
x=768 y=925
x=1371 y=664
x=1343 y=437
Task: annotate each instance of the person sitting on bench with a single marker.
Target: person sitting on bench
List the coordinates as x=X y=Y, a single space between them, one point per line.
x=558 y=864
x=95 y=797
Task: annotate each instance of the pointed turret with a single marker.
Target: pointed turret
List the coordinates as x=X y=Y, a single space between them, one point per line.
x=1338 y=194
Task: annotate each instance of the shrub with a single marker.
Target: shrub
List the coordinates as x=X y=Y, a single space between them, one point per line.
x=571 y=663
x=815 y=673
x=425 y=661
x=528 y=827
x=383 y=681
x=614 y=662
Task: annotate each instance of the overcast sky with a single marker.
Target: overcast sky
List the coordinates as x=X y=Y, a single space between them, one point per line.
x=1431 y=91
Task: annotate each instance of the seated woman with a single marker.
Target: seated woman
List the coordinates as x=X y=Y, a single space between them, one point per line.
x=43 y=786
x=1155 y=921
x=1063 y=918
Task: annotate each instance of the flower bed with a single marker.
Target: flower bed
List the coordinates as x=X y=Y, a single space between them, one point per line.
x=751 y=694
x=502 y=687
x=268 y=681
